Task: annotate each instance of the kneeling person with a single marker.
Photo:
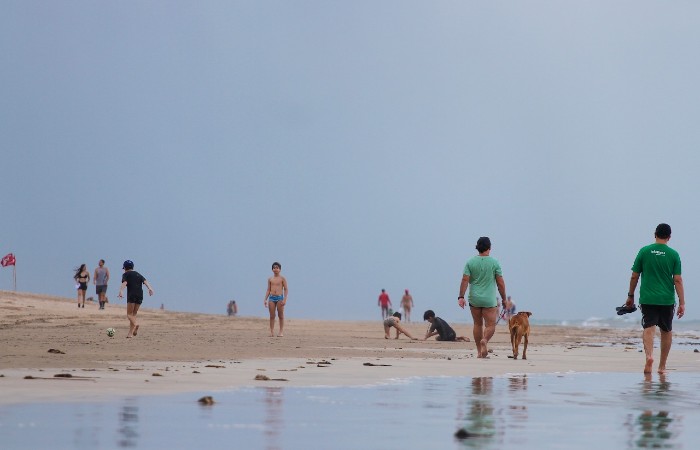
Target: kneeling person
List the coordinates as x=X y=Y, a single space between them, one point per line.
x=441 y=328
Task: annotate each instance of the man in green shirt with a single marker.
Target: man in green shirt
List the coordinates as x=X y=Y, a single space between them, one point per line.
x=660 y=269
x=484 y=275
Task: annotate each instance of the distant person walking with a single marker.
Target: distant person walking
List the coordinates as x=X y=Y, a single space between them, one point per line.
x=508 y=311
x=384 y=303
x=232 y=308
x=133 y=282
x=82 y=278
x=660 y=269
x=276 y=298
x=484 y=275
x=101 y=279
x=407 y=305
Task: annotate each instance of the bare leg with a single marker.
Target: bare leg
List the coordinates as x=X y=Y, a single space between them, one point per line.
x=648 y=340
x=666 y=339
x=462 y=339
x=386 y=331
x=272 y=307
x=280 y=315
x=490 y=316
x=478 y=329
x=131 y=310
x=401 y=329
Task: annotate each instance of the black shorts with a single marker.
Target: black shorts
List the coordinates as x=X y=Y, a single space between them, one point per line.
x=658 y=315
x=450 y=337
x=82 y=287
x=134 y=299
x=100 y=288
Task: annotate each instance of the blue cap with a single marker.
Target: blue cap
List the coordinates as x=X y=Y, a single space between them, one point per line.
x=128 y=264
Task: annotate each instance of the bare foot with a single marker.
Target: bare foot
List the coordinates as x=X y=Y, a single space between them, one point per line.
x=280 y=335
x=647 y=366
x=484 y=349
x=386 y=337
x=136 y=329
x=662 y=370
x=129 y=337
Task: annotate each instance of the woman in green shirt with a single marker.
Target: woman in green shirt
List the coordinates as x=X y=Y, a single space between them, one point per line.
x=485 y=276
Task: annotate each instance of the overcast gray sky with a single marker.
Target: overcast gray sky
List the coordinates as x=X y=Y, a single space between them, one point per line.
x=363 y=144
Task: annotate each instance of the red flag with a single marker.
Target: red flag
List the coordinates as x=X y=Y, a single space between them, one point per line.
x=8 y=260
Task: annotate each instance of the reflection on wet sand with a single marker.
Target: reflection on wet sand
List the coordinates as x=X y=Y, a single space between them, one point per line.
x=655 y=428
x=274 y=416
x=486 y=425
x=517 y=407
x=128 y=424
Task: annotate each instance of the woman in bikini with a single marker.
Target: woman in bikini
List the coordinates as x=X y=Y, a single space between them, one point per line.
x=395 y=321
x=82 y=278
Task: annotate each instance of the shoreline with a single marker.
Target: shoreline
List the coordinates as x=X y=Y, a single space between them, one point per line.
x=173 y=350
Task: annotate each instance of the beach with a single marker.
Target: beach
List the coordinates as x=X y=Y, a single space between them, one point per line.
x=176 y=352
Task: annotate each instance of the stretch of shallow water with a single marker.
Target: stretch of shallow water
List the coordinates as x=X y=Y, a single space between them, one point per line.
x=568 y=411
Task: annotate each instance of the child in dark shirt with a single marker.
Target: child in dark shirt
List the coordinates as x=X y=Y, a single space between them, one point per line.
x=133 y=282
x=441 y=328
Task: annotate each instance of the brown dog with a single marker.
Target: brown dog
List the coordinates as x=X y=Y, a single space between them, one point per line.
x=519 y=326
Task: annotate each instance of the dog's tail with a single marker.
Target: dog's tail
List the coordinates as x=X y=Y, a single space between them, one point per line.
x=514 y=330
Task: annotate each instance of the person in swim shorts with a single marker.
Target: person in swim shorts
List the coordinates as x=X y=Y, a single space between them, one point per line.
x=395 y=321
x=441 y=328
x=276 y=298
x=407 y=305
x=133 y=282
x=101 y=279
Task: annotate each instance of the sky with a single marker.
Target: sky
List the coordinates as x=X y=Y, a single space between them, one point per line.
x=364 y=145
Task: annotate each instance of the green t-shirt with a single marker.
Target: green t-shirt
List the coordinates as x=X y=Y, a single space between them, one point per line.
x=657 y=263
x=482 y=272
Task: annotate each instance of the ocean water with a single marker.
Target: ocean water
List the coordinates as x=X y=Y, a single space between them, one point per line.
x=554 y=411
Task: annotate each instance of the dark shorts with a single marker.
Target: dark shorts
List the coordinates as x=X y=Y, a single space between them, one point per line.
x=101 y=289
x=134 y=299
x=482 y=307
x=658 y=315
x=82 y=287
x=449 y=337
